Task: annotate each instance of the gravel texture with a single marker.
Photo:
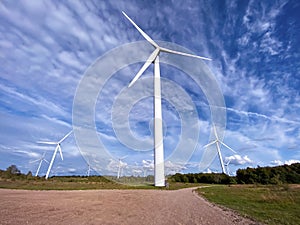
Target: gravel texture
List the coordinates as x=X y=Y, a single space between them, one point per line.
x=112 y=207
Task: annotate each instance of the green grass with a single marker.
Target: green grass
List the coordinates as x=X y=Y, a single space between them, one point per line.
x=267 y=204
x=57 y=185
x=82 y=183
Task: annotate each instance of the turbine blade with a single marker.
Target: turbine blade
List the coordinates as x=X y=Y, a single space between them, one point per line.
x=227 y=147
x=141 y=31
x=60 y=152
x=65 y=137
x=46 y=161
x=145 y=66
x=209 y=144
x=182 y=53
x=47 y=142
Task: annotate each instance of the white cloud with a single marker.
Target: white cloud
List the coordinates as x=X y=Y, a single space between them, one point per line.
x=208 y=171
x=148 y=165
x=291 y=161
x=37 y=101
x=238 y=160
x=28 y=154
x=70 y=59
x=174 y=167
x=286 y=162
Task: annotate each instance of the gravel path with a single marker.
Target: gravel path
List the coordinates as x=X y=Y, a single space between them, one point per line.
x=111 y=207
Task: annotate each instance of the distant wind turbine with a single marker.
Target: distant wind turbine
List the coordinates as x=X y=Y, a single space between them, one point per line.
x=40 y=163
x=227 y=167
x=159 y=173
x=88 y=170
x=218 y=142
x=121 y=166
x=55 y=151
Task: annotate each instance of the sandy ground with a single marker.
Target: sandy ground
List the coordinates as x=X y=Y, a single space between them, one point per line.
x=111 y=207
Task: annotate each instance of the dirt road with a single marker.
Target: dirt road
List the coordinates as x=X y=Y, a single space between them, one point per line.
x=111 y=207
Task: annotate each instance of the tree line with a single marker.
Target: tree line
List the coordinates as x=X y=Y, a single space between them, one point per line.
x=208 y=178
x=285 y=174
x=12 y=172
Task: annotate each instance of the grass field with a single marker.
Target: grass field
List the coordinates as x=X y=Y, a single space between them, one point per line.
x=83 y=183
x=267 y=204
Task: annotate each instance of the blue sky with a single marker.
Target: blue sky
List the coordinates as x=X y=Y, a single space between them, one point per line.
x=46 y=47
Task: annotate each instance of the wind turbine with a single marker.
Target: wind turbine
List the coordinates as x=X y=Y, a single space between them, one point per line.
x=40 y=163
x=120 y=166
x=227 y=167
x=55 y=151
x=218 y=142
x=159 y=174
x=88 y=170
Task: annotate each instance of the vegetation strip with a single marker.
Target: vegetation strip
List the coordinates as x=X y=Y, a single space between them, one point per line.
x=270 y=204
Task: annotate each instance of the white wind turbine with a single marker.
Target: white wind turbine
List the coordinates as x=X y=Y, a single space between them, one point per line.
x=55 y=151
x=227 y=167
x=159 y=174
x=218 y=142
x=88 y=170
x=40 y=163
x=121 y=165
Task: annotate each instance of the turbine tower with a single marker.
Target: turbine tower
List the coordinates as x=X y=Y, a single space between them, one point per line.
x=218 y=142
x=40 y=163
x=55 y=151
x=159 y=174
